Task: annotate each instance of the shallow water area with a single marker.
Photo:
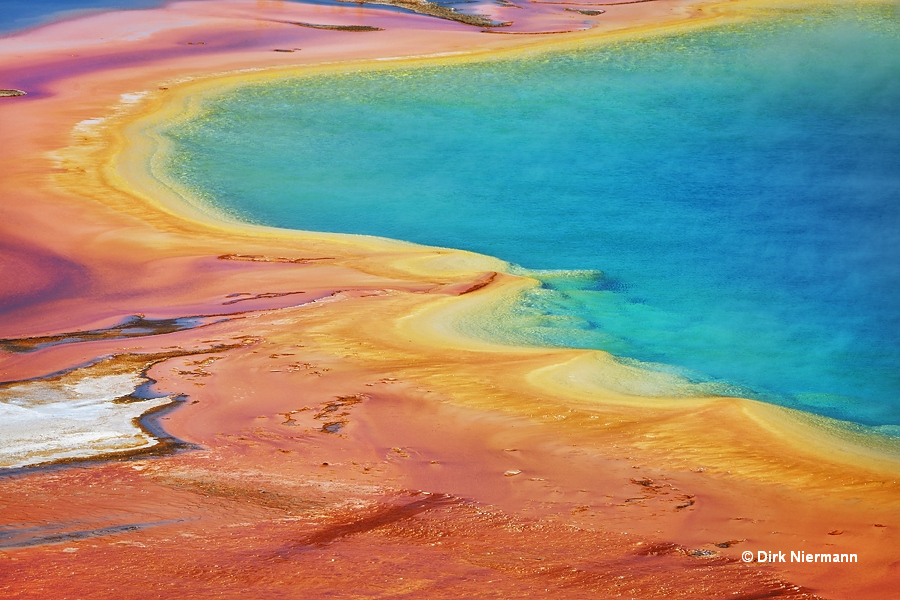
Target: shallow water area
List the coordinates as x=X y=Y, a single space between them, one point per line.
x=84 y=413
x=721 y=204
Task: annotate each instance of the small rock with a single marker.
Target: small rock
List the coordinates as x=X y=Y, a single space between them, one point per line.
x=511 y=473
x=11 y=93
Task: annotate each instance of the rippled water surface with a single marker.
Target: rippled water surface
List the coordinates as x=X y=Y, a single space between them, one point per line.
x=725 y=203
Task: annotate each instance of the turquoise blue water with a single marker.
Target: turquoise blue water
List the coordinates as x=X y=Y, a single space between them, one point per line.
x=724 y=202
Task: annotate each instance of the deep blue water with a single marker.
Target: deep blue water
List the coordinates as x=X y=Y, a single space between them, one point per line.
x=728 y=200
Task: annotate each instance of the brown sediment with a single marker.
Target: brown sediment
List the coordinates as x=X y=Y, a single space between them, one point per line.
x=338 y=27
x=275 y=259
x=259 y=296
x=521 y=472
x=466 y=287
x=136 y=326
x=533 y=32
x=424 y=7
x=590 y=13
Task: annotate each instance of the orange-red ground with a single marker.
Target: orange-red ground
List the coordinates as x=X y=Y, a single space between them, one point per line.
x=340 y=441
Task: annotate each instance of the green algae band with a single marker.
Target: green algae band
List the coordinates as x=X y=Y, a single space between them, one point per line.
x=722 y=206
